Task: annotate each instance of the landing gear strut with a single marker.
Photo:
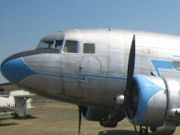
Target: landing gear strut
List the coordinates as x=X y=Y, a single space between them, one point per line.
x=143 y=130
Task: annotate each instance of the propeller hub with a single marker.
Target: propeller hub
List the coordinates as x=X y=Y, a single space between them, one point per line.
x=119 y=99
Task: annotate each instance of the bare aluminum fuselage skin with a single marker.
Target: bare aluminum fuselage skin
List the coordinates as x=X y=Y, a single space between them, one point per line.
x=95 y=79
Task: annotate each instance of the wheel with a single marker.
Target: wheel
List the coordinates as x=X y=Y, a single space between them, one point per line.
x=108 y=124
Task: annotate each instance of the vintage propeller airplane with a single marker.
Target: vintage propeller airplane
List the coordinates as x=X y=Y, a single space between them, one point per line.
x=108 y=74
x=14 y=100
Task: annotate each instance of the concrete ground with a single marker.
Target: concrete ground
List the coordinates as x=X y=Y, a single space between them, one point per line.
x=56 y=118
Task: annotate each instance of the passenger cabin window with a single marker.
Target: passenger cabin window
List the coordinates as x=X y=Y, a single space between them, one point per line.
x=71 y=46
x=89 y=48
x=59 y=44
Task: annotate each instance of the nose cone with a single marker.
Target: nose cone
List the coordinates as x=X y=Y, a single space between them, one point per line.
x=15 y=70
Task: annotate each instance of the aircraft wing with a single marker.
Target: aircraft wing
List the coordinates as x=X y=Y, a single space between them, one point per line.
x=8 y=86
x=25 y=96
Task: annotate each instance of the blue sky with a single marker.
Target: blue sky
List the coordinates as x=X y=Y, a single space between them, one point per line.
x=24 y=22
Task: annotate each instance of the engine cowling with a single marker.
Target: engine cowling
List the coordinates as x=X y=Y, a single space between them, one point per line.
x=95 y=114
x=148 y=101
x=153 y=102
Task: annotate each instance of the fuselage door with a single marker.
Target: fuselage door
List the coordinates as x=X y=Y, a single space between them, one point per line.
x=89 y=65
x=92 y=70
x=71 y=62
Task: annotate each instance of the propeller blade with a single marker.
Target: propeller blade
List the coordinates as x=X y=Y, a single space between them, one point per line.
x=130 y=73
x=79 y=122
x=128 y=93
x=131 y=63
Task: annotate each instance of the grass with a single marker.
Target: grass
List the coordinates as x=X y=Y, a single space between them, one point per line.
x=58 y=118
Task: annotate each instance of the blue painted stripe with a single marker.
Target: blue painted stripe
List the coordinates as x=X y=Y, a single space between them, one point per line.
x=81 y=76
x=15 y=70
x=162 y=64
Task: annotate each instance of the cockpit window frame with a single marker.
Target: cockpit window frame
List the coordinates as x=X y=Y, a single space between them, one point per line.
x=61 y=45
x=53 y=44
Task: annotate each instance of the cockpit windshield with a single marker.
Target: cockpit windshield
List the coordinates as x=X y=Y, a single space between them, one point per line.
x=45 y=44
x=50 y=44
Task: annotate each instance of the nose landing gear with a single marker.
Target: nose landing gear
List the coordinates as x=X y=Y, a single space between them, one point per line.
x=143 y=130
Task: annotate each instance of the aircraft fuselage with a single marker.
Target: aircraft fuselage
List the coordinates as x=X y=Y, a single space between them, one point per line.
x=95 y=70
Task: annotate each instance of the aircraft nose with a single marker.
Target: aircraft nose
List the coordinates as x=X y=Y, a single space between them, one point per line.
x=15 y=70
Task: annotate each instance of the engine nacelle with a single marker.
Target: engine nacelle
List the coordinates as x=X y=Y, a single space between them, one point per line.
x=165 y=129
x=95 y=114
x=102 y=115
x=153 y=101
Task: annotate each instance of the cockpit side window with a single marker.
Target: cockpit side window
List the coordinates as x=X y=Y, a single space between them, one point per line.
x=71 y=46
x=59 y=44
